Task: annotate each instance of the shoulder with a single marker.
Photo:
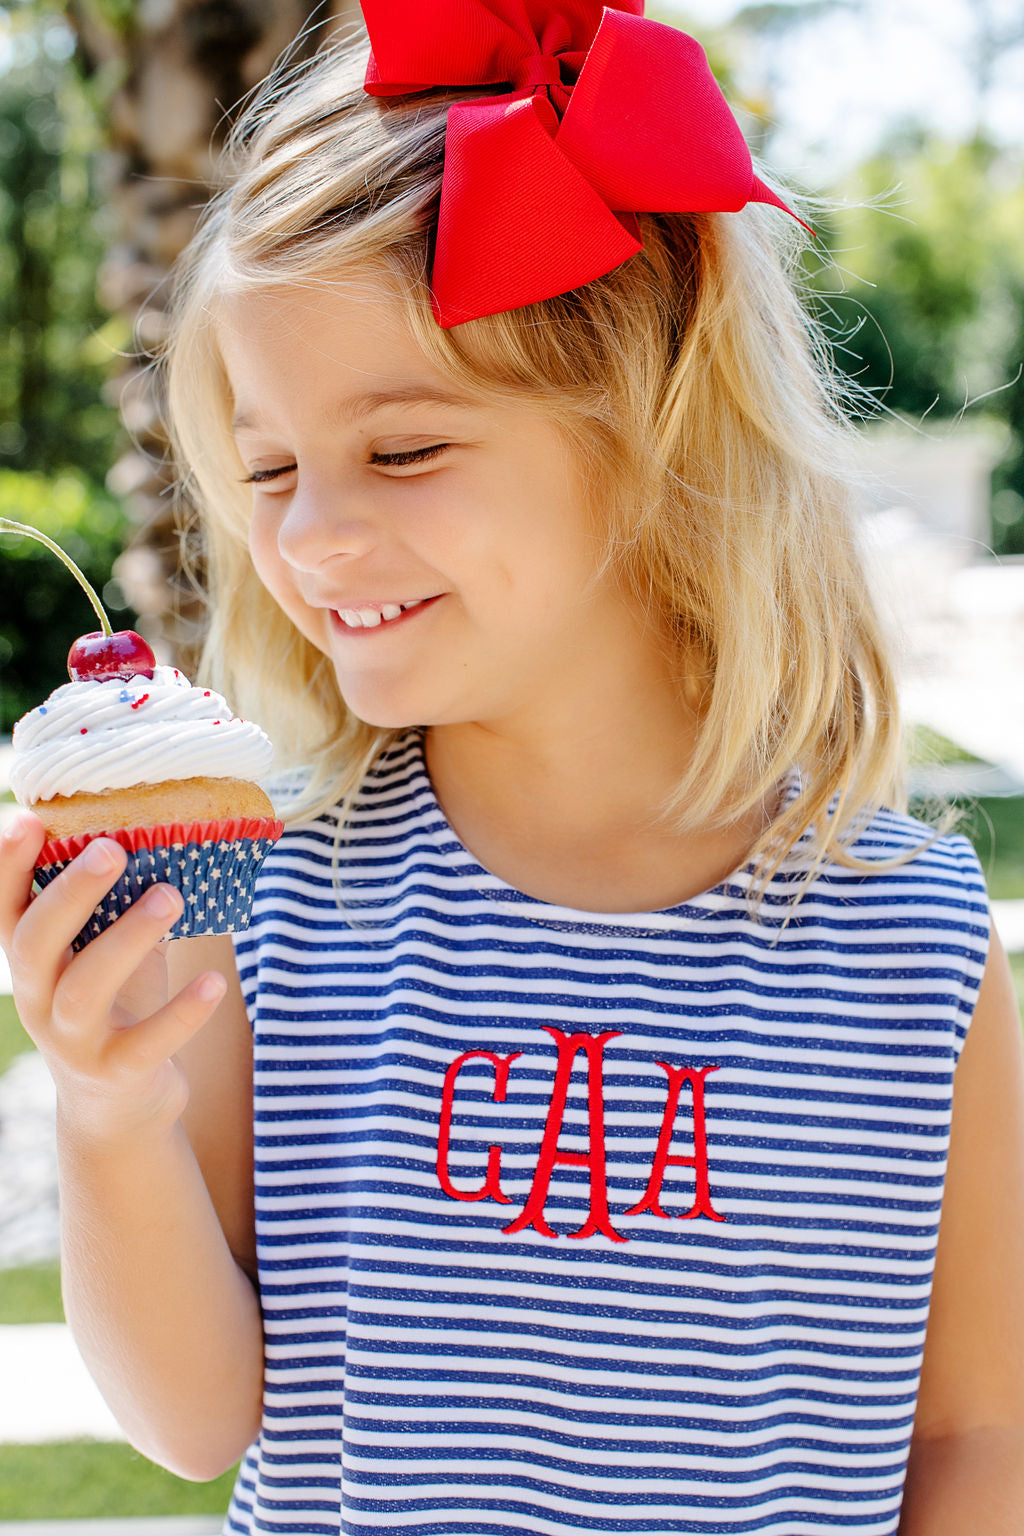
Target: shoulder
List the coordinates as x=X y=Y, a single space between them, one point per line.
x=890 y=833
x=902 y=899
x=894 y=855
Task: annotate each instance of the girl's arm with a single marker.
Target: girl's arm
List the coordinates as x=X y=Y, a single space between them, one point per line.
x=164 y=1313
x=966 y=1470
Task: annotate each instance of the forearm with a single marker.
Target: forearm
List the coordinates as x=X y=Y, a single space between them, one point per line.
x=971 y=1482
x=167 y=1322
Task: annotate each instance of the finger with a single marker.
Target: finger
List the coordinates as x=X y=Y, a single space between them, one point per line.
x=20 y=843
x=156 y=1039
x=42 y=938
x=90 y=985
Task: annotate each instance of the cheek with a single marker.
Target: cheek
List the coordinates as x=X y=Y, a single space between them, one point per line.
x=265 y=552
x=276 y=574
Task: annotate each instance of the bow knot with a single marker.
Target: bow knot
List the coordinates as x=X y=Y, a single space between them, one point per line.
x=541 y=187
x=538 y=69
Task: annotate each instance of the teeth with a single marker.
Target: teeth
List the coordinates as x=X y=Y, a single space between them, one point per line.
x=370 y=618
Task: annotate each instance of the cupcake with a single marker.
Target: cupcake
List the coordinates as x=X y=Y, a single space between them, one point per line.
x=167 y=771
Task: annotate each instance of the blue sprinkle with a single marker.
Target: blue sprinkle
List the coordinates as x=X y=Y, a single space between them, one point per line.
x=125 y=697
x=42 y=709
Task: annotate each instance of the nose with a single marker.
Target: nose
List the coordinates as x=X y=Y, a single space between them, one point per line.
x=322 y=524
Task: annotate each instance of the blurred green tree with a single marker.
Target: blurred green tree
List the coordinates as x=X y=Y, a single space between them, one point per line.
x=54 y=350
x=111 y=115
x=44 y=609
x=57 y=431
x=924 y=294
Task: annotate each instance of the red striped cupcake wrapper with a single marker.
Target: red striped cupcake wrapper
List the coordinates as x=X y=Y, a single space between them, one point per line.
x=213 y=864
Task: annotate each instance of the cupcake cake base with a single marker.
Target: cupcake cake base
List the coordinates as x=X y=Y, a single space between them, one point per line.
x=213 y=864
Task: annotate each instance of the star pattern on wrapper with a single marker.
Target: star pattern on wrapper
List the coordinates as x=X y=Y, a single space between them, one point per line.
x=215 y=879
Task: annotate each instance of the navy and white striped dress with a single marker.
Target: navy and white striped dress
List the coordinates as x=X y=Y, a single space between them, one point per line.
x=578 y=1223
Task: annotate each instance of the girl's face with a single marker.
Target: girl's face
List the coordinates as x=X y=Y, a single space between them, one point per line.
x=437 y=549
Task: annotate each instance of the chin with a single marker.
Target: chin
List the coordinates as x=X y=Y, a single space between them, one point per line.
x=383 y=714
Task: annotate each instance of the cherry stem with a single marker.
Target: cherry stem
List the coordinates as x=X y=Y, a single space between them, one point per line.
x=7 y=525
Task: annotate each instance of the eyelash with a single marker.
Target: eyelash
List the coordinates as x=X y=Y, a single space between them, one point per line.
x=388 y=460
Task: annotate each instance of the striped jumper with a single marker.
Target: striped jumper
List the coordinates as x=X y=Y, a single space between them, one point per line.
x=576 y=1222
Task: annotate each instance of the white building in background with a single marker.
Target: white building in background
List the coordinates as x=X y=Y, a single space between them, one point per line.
x=957 y=611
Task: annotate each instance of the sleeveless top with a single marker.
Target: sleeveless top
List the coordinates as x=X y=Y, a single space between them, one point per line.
x=579 y=1223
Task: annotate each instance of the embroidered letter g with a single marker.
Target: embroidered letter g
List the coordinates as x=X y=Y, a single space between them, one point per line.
x=492 y=1187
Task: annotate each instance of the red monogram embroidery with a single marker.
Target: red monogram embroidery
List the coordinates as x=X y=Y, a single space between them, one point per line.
x=532 y=1214
x=599 y=1217
x=492 y=1187
x=677 y=1076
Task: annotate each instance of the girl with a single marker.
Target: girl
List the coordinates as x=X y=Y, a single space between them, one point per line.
x=618 y=1037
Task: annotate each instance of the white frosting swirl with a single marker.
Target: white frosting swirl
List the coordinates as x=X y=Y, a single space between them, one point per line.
x=111 y=734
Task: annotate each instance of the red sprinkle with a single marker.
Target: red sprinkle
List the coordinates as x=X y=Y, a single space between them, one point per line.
x=206 y=694
x=83 y=731
x=140 y=700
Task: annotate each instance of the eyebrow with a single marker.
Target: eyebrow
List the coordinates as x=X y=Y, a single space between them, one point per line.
x=358 y=407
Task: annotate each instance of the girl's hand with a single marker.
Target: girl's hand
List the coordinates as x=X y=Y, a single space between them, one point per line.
x=102 y=1018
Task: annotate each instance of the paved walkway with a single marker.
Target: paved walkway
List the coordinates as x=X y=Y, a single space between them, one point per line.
x=54 y=1397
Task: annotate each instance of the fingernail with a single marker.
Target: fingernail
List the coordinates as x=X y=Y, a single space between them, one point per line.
x=99 y=859
x=161 y=901
x=210 y=988
x=15 y=832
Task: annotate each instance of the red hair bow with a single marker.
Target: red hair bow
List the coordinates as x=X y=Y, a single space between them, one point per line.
x=604 y=115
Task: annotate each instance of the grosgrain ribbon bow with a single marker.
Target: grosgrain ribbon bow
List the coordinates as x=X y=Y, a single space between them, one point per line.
x=603 y=115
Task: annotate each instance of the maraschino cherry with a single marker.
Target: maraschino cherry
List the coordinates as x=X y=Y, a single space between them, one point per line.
x=116 y=653
x=104 y=653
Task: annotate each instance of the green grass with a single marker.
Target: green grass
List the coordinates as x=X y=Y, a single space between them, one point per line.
x=1017 y=967
x=13 y=1039
x=31 y=1294
x=86 y=1480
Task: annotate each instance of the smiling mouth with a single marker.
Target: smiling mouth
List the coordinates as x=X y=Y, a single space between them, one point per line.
x=379 y=616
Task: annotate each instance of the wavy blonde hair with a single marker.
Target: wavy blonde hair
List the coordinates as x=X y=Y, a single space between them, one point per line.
x=690 y=381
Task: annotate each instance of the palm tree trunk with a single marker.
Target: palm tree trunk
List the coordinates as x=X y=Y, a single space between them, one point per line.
x=168 y=76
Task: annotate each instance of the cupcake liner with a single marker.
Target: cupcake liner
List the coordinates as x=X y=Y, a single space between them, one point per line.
x=213 y=864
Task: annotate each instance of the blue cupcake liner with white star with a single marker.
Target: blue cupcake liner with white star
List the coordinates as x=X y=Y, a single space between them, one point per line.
x=216 y=877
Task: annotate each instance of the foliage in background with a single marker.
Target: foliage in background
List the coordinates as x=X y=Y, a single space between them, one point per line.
x=926 y=296
x=57 y=431
x=42 y=607
x=55 y=345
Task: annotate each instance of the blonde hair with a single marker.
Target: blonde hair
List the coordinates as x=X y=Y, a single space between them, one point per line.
x=690 y=381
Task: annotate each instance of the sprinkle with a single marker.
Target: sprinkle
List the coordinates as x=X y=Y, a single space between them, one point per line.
x=83 y=731
x=42 y=709
x=206 y=693
x=124 y=697
x=140 y=700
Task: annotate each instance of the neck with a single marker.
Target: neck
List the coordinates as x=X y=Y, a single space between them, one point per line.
x=565 y=806
x=603 y=761
x=584 y=778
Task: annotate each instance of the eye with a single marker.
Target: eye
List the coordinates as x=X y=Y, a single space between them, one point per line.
x=411 y=456
x=262 y=476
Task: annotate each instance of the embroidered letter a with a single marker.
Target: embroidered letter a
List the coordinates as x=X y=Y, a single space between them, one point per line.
x=651 y=1201
x=532 y=1214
